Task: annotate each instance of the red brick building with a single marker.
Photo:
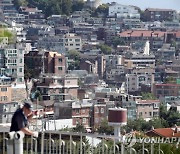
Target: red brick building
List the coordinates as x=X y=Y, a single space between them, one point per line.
x=46 y=62
x=161 y=90
x=55 y=63
x=81 y=114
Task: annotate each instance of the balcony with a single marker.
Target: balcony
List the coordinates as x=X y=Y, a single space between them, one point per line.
x=57 y=142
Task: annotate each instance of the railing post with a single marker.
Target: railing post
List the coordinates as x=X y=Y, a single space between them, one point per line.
x=18 y=142
x=122 y=144
x=114 y=145
x=4 y=144
x=42 y=143
x=152 y=148
x=60 y=143
x=10 y=143
x=92 y=147
x=31 y=144
x=143 y=148
x=70 y=144
x=52 y=145
x=49 y=143
x=103 y=145
x=81 y=144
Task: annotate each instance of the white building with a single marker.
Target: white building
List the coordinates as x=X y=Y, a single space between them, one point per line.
x=7 y=110
x=123 y=11
x=13 y=63
x=72 y=42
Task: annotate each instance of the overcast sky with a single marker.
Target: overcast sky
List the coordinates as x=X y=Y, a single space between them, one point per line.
x=169 y=4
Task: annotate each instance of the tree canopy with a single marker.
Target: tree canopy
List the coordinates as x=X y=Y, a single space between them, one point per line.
x=105 y=49
x=75 y=56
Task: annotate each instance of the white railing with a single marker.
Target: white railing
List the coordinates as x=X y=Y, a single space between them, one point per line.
x=57 y=142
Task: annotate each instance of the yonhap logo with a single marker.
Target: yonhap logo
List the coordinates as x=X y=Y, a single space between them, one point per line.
x=129 y=140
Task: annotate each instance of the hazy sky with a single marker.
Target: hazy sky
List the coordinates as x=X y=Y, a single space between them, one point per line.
x=170 y=4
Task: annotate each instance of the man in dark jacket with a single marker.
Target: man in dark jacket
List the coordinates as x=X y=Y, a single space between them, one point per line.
x=20 y=120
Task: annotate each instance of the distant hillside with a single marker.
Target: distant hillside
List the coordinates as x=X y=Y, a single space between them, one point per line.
x=50 y=7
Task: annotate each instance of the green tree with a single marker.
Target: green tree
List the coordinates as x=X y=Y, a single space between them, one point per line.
x=79 y=128
x=146 y=96
x=170 y=79
x=105 y=49
x=66 y=7
x=102 y=10
x=105 y=128
x=77 y=6
x=9 y=34
x=75 y=56
x=172 y=116
x=117 y=41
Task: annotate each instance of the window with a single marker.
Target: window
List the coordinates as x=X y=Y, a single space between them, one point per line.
x=20 y=79
x=140 y=113
x=60 y=68
x=84 y=120
x=96 y=120
x=77 y=40
x=97 y=110
x=77 y=121
x=83 y=111
x=150 y=114
x=3 y=89
x=60 y=59
x=20 y=61
x=20 y=69
x=4 y=98
x=77 y=111
x=155 y=105
x=102 y=110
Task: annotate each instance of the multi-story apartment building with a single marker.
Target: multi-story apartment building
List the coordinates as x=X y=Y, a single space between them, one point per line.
x=72 y=42
x=13 y=63
x=81 y=113
x=7 y=110
x=140 y=60
x=60 y=43
x=54 y=63
x=147 y=109
x=166 y=53
x=57 y=85
x=46 y=62
x=162 y=90
x=123 y=11
x=153 y=14
x=100 y=113
x=129 y=102
x=5 y=92
x=135 y=81
x=93 y=64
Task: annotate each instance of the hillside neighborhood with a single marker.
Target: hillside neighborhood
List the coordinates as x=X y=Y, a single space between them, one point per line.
x=74 y=67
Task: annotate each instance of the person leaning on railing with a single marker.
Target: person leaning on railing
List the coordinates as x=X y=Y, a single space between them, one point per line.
x=20 y=120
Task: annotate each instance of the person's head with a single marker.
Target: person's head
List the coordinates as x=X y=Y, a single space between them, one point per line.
x=27 y=108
